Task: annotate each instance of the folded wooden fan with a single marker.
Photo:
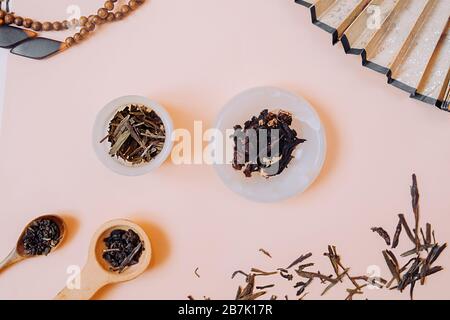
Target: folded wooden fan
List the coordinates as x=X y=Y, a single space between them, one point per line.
x=407 y=40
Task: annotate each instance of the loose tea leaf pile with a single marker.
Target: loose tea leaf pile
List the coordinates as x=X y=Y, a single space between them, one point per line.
x=136 y=134
x=41 y=237
x=416 y=269
x=123 y=249
x=268 y=158
x=300 y=274
x=420 y=260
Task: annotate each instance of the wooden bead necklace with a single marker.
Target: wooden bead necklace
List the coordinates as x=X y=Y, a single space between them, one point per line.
x=23 y=40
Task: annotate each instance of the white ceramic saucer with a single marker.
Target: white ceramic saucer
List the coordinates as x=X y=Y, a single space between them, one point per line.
x=308 y=159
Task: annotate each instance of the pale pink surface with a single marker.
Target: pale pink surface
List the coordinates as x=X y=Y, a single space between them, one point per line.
x=193 y=56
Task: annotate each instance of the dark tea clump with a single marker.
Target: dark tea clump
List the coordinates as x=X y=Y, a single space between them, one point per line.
x=136 y=134
x=123 y=249
x=41 y=237
x=265 y=144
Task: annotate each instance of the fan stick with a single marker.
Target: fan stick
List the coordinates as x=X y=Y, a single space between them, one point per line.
x=434 y=83
x=337 y=15
x=361 y=6
x=359 y=33
x=446 y=103
x=371 y=47
x=320 y=7
x=382 y=49
x=412 y=60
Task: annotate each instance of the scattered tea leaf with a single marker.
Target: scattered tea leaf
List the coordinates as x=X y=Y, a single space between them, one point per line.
x=383 y=233
x=300 y=260
x=265 y=252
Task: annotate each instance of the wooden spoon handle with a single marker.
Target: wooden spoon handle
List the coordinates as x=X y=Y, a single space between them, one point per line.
x=90 y=282
x=12 y=258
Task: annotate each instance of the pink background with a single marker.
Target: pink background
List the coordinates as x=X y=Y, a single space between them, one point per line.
x=193 y=56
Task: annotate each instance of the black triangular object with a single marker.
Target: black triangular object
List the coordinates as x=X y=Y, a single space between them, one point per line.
x=10 y=36
x=38 y=48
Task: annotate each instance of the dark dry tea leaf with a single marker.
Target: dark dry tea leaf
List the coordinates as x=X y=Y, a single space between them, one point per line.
x=355 y=291
x=123 y=249
x=335 y=260
x=383 y=233
x=398 y=231
x=285 y=274
x=248 y=289
x=410 y=277
x=299 y=260
x=392 y=264
x=428 y=234
x=265 y=252
x=414 y=250
x=239 y=272
x=406 y=227
x=415 y=205
x=335 y=281
x=258 y=272
x=303 y=296
x=265 y=144
x=374 y=281
x=301 y=286
x=41 y=237
x=136 y=134
x=312 y=275
x=265 y=287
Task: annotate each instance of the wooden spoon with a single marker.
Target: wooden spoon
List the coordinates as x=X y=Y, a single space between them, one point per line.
x=96 y=273
x=18 y=253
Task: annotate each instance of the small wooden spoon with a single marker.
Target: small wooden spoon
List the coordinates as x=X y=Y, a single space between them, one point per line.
x=18 y=253
x=96 y=273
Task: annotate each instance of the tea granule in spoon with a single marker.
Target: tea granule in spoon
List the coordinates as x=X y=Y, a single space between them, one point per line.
x=41 y=237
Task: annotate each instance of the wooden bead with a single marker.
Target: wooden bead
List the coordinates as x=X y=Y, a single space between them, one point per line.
x=57 y=26
x=2 y=22
x=133 y=4
x=83 y=21
x=27 y=23
x=125 y=9
x=118 y=15
x=9 y=18
x=97 y=20
x=102 y=13
x=36 y=26
x=111 y=17
x=84 y=32
x=66 y=24
x=70 y=41
x=18 y=21
x=47 y=26
x=109 y=5
x=2 y=14
x=78 y=37
x=89 y=26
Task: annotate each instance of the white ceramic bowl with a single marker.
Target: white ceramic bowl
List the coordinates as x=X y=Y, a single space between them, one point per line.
x=308 y=159
x=101 y=130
